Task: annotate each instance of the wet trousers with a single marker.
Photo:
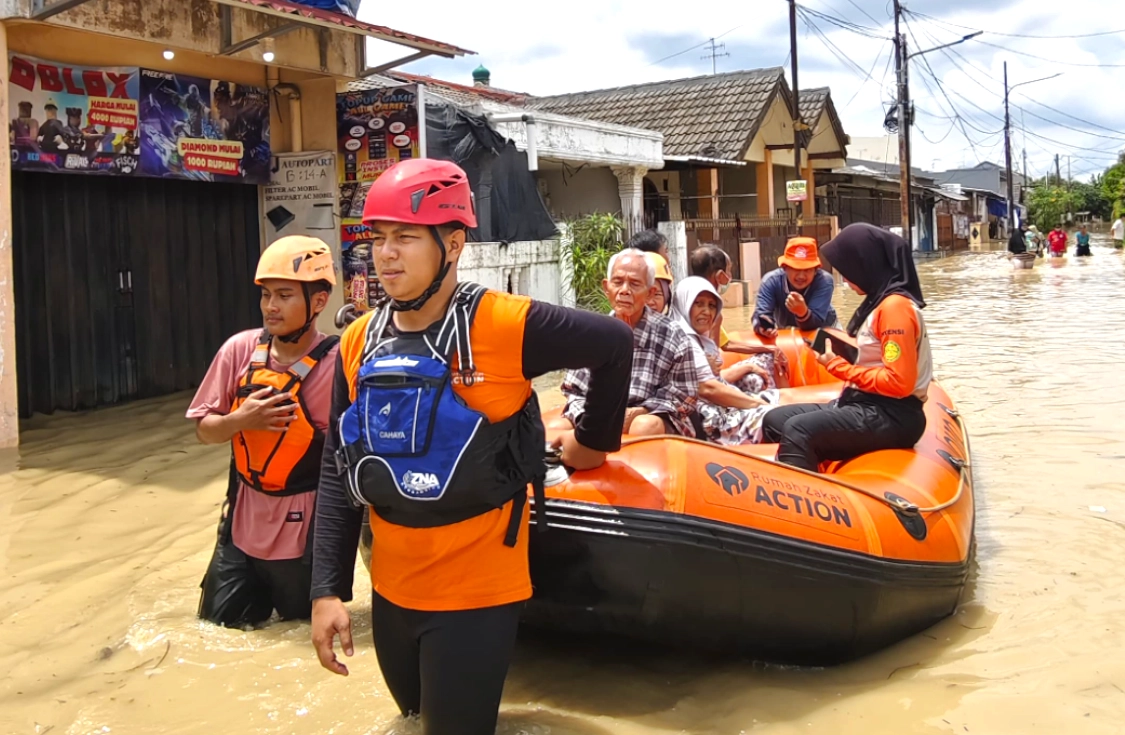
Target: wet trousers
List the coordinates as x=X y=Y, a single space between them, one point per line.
x=241 y=590
x=448 y=667
x=857 y=423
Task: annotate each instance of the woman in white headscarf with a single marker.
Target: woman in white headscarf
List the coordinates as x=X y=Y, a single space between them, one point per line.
x=733 y=402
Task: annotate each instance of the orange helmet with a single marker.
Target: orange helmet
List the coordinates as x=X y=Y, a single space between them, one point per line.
x=660 y=265
x=297 y=258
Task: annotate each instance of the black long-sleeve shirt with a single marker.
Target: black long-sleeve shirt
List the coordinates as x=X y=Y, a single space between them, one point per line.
x=554 y=338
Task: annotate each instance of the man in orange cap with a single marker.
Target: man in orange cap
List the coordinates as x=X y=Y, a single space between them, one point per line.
x=268 y=392
x=798 y=294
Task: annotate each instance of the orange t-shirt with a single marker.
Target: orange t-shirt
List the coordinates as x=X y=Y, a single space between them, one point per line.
x=461 y=566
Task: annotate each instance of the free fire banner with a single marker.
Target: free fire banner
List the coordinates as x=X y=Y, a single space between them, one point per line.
x=72 y=118
x=203 y=129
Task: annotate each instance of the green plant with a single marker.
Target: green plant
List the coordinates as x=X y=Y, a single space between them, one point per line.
x=593 y=241
x=1048 y=206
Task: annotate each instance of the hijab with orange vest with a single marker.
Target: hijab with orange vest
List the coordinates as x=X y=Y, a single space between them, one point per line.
x=877 y=261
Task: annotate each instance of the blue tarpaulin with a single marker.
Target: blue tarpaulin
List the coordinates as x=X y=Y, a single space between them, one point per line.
x=997 y=208
x=346 y=7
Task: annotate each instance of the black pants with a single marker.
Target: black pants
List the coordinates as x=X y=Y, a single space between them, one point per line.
x=810 y=433
x=449 y=667
x=241 y=590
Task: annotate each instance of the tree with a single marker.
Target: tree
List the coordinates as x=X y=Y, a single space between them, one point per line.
x=1113 y=186
x=1048 y=205
x=1091 y=198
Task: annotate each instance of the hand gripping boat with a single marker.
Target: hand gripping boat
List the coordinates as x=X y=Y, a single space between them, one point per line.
x=684 y=543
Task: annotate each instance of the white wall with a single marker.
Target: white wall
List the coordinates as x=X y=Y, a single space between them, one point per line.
x=593 y=189
x=527 y=268
x=574 y=139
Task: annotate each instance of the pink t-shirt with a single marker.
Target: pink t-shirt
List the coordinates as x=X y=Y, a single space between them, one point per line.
x=265 y=527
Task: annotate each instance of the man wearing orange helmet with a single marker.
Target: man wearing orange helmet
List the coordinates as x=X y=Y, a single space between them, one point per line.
x=435 y=431
x=267 y=392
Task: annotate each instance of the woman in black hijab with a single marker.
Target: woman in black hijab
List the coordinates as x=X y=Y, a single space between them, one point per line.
x=881 y=406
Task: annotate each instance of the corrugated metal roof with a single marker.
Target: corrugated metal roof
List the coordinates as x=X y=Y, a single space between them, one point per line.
x=713 y=116
x=344 y=22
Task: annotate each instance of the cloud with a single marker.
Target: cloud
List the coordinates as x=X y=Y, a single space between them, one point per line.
x=592 y=44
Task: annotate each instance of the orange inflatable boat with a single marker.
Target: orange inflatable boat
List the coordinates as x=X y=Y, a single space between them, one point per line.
x=683 y=542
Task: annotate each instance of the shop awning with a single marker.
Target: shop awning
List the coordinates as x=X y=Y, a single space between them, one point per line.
x=340 y=22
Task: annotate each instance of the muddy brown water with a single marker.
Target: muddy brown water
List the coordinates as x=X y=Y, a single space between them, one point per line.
x=107 y=521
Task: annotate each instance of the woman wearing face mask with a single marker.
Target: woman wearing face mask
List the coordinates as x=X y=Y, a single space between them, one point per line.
x=881 y=406
x=733 y=402
x=711 y=263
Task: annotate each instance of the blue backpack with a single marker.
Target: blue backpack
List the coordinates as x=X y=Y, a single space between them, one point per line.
x=414 y=451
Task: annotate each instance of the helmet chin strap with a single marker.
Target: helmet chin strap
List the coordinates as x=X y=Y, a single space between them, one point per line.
x=294 y=337
x=443 y=270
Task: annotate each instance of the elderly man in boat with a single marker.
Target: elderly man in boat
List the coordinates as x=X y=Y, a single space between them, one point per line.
x=665 y=378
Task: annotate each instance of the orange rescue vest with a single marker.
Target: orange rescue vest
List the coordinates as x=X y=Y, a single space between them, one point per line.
x=280 y=463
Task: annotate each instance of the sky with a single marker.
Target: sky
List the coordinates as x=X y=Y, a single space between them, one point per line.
x=578 y=45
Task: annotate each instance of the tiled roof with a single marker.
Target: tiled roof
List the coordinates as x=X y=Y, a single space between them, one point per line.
x=714 y=116
x=463 y=91
x=812 y=103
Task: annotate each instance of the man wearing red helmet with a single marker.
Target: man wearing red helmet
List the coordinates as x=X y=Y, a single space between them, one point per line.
x=435 y=429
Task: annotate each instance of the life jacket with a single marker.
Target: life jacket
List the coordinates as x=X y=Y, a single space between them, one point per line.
x=288 y=462
x=414 y=451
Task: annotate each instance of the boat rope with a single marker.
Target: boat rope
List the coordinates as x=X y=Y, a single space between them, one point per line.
x=897 y=503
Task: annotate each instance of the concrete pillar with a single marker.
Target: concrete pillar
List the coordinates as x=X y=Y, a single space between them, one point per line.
x=676 y=235
x=765 y=186
x=630 y=185
x=808 y=207
x=9 y=395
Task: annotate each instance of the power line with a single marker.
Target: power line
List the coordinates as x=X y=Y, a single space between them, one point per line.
x=847 y=25
x=952 y=107
x=1056 y=123
x=1049 y=61
x=840 y=55
x=857 y=7
x=871 y=78
x=1016 y=35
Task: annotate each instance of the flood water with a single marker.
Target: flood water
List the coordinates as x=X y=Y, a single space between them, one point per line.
x=107 y=521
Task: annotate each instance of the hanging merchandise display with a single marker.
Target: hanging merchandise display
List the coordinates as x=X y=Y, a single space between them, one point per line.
x=375 y=129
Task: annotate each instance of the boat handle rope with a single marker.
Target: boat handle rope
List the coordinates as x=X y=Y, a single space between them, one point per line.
x=899 y=504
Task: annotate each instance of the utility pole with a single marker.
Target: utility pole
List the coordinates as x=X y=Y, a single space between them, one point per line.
x=1023 y=189
x=796 y=102
x=902 y=67
x=1008 y=151
x=713 y=54
x=1058 y=171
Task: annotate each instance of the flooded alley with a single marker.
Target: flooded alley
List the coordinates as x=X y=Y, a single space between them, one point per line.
x=107 y=521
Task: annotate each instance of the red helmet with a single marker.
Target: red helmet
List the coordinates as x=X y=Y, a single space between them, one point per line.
x=421 y=191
